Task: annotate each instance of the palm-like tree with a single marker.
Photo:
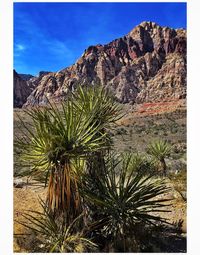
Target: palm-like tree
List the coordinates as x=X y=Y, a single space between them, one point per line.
x=52 y=145
x=160 y=150
x=139 y=162
x=121 y=199
x=98 y=101
x=59 y=140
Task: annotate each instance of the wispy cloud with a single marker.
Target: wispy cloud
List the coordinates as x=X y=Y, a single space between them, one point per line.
x=57 y=48
x=19 y=47
x=42 y=46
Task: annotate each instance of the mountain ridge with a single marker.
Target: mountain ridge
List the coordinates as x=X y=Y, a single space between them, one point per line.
x=148 y=64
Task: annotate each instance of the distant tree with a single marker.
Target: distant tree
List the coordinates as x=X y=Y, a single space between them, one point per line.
x=160 y=150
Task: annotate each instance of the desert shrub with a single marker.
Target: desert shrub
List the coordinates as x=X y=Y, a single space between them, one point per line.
x=179 y=181
x=174 y=127
x=140 y=129
x=179 y=148
x=121 y=131
x=131 y=132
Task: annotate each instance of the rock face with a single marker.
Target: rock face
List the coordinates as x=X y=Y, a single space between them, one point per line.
x=26 y=77
x=42 y=73
x=146 y=65
x=23 y=86
x=21 y=90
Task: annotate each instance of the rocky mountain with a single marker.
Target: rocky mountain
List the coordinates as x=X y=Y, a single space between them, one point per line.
x=23 y=85
x=146 y=65
x=21 y=90
x=26 y=77
x=42 y=73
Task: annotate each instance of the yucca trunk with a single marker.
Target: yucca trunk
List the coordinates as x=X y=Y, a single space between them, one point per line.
x=163 y=166
x=63 y=194
x=99 y=160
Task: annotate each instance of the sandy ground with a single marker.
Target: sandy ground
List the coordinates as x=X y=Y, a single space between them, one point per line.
x=26 y=198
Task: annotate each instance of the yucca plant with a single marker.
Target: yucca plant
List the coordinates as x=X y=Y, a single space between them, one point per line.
x=120 y=199
x=98 y=101
x=160 y=150
x=139 y=162
x=54 y=235
x=51 y=146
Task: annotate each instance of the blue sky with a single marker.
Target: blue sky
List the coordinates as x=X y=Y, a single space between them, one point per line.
x=52 y=36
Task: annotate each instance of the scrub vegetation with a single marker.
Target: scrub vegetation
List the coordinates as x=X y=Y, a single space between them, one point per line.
x=98 y=198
